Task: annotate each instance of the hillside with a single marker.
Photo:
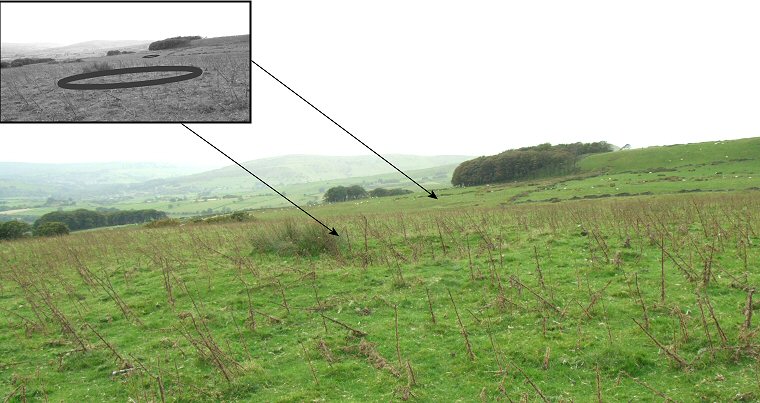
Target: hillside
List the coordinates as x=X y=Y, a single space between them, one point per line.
x=294 y=169
x=221 y=41
x=20 y=179
x=675 y=156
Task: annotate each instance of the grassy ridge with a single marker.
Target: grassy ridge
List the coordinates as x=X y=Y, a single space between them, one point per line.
x=674 y=156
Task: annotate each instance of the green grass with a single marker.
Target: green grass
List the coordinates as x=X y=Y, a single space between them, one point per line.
x=358 y=286
x=674 y=156
x=479 y=243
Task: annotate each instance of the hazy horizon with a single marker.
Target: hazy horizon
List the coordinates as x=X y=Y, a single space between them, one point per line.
x=99 y=40
x=219 y=164
x=72 y=23
x=213 y=160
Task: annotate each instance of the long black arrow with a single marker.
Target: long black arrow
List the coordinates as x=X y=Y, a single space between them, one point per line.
x=430 y=194
x=332 y=230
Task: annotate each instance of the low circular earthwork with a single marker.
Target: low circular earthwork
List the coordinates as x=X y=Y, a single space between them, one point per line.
x=69 y=82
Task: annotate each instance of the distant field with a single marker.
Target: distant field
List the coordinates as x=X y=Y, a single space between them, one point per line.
x=643 y=299
x=30 y=93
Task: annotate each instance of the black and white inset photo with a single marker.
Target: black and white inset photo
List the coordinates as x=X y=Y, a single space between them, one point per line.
x=160 y=62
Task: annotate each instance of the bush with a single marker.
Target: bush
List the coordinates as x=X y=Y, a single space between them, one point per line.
x=14 y=229
x=166 y=222
x=381 y=192
x=117 y=52
x=169 y=43
x=4 y=65
x=289 y=239
x=240 y=216
x=52 y=228
x=97 y=66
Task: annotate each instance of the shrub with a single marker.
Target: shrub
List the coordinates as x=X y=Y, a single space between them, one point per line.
x=4 y=65
x=289 y=239
x=176 y=42
x=240 y=216
x=117 y=52
x=14 y=229
x=97 y=66
x=166 y=222
x=52 y=228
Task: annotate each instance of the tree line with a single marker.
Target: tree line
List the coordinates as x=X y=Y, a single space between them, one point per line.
x=85 y=219
x=525 y=163
x=343 y=193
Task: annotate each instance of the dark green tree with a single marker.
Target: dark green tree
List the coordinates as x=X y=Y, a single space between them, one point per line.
x=85 y=219
x=14 y=229
x=342 y=193
x=52 y=228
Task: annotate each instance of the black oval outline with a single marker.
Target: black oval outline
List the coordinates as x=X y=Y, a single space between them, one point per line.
x=65 y=82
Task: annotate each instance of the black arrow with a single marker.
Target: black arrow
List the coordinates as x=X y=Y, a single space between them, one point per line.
x=332 y=230
x=430 y=194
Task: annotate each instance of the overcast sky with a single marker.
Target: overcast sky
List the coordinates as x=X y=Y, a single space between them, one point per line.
x=68 y=23
x=460 y=77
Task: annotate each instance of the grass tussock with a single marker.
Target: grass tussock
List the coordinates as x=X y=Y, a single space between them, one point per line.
x=163 y=223
x=291 y=239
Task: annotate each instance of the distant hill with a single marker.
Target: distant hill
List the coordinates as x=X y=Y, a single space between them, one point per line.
x=294 y=169
x=20 y=179
x=10 y=50
x=99 y=44
x=123 y=179
x=80 y=49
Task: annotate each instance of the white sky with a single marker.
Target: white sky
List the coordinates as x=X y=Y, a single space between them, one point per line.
x=464 y=77
x=68 y=23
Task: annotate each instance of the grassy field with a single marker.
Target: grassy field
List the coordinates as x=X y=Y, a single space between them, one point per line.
x=519 y=302
x=488 y=293
x=30 y=93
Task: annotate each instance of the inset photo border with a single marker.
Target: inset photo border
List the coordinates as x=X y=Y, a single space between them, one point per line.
x=125 y=62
